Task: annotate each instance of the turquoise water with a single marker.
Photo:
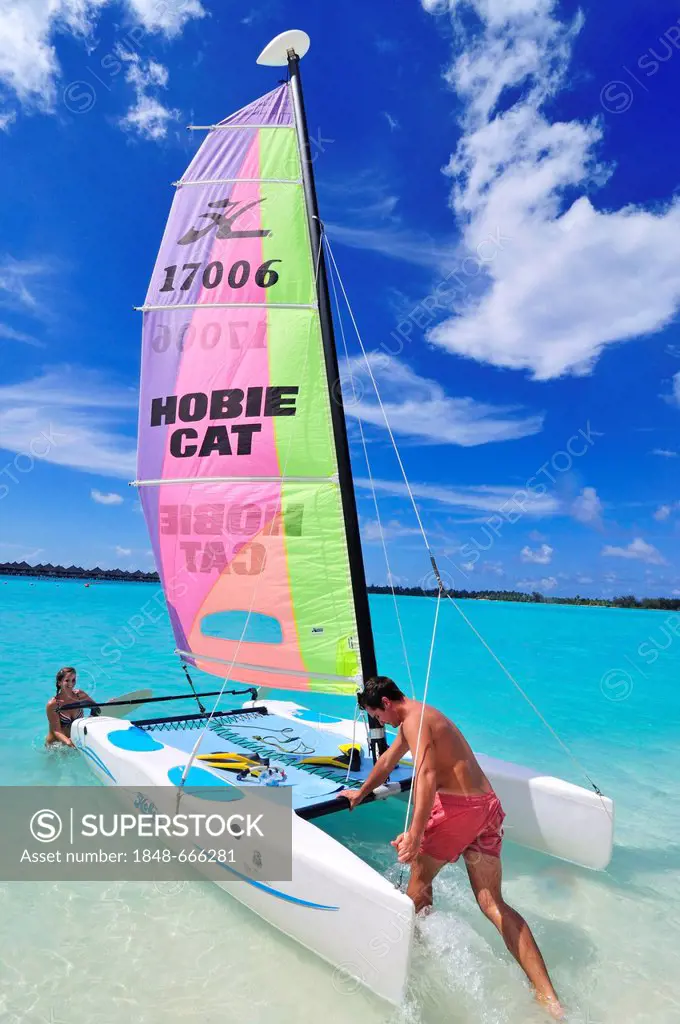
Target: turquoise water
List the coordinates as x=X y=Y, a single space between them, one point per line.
x=605 y=679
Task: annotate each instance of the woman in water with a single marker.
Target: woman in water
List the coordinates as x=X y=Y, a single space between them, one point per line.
x=59 y=719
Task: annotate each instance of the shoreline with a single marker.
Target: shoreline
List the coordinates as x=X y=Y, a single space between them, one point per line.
x=74 y=572
x=22 y=570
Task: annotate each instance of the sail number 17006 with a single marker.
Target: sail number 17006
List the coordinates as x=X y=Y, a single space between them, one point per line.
x=212 y=275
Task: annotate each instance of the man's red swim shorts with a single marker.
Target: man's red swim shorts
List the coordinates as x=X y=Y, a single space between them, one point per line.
x=463 y=823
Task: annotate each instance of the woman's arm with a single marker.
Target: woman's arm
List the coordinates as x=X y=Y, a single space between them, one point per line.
x=80 y=697
x=55 y=726
x=85 y=698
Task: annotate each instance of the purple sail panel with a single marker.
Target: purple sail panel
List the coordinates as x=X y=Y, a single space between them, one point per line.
x=220 y=159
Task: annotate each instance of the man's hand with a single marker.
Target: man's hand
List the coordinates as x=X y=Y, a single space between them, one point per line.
x=407 y=846
x=352 y=795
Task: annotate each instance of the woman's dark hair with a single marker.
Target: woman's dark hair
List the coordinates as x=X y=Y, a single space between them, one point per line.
x=62 y=673
x=375 y=689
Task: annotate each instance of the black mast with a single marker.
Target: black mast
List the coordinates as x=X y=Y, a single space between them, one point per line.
x=349 y=507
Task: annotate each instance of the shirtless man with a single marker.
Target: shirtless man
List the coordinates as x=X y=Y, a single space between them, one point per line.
x=455 y=811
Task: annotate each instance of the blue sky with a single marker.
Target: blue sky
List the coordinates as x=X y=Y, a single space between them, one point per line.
x=498 y=180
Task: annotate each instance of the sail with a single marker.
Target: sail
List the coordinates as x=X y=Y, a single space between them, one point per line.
x=237 y=468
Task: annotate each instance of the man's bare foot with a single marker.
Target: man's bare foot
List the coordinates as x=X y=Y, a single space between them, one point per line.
x=425 y=912
x=552 y=1005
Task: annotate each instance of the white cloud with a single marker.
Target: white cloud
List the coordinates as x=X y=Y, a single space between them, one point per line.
x=638 y=549
x=587 y=507
x=570 y=279
x=6 y=119
x=147 y=117
x=29 y=64
x=108 y=498
x=662 y=513
x=495 y=567
x=665 y=452
x=72 y=386
x=366 y=196
x=396 y=242
x=546 y=583
x=123 y=552
x=392 y=121
x=427 y=412
x=11 y=335
x=70 y=416
x=484 y=498
x=540 y=556
x=364 y=215
x=20 y=552
x=20 y=283
x=23 y=290
x=537 y=537
x=371 y=531
x=28 y=59
x=583 y=579
x=166 y=16
x=674 y=397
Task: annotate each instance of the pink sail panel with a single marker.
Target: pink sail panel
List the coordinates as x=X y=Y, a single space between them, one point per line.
x=237 y=466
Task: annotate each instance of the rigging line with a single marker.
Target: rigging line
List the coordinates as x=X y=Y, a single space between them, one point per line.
x=341 y=325
x=300 y=747
x=377 y=395
x=527 y=698
x=420 y=724
x=227 y=678
x=531 y=704
x=193 y=689
x=267 y=738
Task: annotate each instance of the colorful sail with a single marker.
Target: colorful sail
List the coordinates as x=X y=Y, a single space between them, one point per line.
x=237 y=465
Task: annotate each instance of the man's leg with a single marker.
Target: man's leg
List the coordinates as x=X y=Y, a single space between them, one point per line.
x=485 y=876
x=423 y=870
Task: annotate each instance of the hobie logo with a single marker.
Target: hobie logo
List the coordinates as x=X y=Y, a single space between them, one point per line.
x=224 y=223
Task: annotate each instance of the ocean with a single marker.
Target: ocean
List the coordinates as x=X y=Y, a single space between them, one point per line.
x=607 y=680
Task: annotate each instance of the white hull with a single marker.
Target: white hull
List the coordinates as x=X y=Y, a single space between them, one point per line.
x=335 y=905
x=542 y=812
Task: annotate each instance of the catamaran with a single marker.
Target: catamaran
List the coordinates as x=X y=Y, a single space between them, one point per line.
x=245 y=480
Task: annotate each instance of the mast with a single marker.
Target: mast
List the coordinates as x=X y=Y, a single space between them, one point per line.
x=288 y=48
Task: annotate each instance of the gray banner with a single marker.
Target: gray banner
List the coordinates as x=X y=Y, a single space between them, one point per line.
x=162 y=833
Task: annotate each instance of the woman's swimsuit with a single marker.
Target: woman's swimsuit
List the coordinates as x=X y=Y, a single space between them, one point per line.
x=66 y=720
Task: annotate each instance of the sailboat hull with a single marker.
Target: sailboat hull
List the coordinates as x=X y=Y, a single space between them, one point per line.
x=335 y=904
x=543 y=813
